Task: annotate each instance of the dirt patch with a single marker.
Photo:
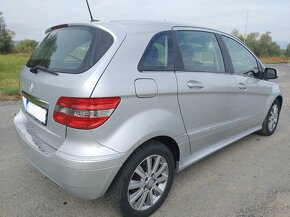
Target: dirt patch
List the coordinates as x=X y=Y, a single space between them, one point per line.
x=9 y=102
x=276 y=204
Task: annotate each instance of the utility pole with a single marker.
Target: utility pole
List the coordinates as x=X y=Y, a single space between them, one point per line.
x=246 y=27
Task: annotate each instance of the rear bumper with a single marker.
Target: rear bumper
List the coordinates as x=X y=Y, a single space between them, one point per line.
x=86 y=177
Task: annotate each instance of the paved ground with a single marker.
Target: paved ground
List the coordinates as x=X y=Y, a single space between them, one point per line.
x=250 y=178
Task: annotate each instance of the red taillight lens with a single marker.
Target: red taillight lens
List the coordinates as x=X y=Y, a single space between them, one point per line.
x=82 y=113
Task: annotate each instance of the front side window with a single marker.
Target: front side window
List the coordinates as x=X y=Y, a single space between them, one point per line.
x=158 y=55
x=71 y=49
x=244 y=63
x=200 y=51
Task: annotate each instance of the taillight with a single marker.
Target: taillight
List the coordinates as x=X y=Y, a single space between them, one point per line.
x=84 y=113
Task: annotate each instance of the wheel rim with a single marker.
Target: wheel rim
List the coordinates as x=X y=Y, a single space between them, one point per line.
x=273 y=117
x=148 y=182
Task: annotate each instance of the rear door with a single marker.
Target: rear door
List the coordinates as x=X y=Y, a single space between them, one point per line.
x=206 y=91
x=253 y=91
x=74 y=53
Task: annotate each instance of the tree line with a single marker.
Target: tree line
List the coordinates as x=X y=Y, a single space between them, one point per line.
x=261 y=44
x=6 y=43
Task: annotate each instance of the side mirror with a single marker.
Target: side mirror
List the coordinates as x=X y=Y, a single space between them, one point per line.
x=271 y=73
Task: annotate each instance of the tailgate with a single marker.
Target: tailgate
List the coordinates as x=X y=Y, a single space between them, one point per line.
x=78 y=72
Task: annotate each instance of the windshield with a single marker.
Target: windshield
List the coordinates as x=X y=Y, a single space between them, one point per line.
x=71 y=49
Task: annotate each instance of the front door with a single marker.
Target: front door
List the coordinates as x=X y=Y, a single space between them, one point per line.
x=253 y=92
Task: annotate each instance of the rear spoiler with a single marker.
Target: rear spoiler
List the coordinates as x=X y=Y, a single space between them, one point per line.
x=65 y=26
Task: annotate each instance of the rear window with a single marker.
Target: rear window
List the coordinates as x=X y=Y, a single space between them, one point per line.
x=71 y=49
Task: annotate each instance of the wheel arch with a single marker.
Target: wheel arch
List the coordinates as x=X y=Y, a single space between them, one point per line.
x=280 y=99
x=171 y=144
x=168 y=141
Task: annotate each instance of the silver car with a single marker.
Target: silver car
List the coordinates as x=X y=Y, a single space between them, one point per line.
x=120 y=107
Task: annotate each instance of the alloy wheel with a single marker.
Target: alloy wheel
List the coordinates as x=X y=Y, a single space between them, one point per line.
x=273 y=117
x=148 y=182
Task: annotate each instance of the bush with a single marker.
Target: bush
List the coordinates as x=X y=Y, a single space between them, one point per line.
x=287 y=52
x=26 y=46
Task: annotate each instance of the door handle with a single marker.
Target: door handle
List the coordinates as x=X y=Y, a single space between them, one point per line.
x=195 y=85
x=242 y=86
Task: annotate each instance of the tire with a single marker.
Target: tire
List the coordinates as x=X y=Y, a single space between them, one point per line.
x=149 y=187
x=271 y=121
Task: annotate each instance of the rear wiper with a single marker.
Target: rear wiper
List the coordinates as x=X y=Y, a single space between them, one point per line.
x=36 y=68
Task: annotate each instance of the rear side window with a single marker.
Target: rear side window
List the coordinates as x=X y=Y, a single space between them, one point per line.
x=71 y=49
x=200 y=51
x=244 y=62
x=158 y=55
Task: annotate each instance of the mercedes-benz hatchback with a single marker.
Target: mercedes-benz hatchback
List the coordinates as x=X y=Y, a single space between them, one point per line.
x=120 y=107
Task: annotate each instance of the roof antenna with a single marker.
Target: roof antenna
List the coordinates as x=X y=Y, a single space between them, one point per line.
x=92 y=19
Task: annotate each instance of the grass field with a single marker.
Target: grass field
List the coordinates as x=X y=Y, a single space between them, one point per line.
x=275 y=60
x=10 y=67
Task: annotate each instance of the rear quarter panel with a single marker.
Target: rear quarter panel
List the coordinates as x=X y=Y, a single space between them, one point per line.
x=137 y=120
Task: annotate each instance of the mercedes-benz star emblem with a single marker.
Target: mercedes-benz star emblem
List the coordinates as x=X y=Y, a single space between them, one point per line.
x=31 y=87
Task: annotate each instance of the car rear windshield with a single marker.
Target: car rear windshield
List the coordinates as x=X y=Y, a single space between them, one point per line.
x=72 y=49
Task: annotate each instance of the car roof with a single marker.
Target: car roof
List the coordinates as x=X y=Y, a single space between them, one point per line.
x=135 y=26
x=143 y=26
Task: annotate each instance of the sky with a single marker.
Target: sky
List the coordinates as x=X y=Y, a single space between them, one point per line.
x=29 y=19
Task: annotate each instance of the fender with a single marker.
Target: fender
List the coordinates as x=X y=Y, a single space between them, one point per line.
x=155 y=122
x=276 y=93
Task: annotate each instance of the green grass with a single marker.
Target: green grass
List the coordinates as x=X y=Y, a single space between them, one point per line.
x=10 y=67
x=10 y=91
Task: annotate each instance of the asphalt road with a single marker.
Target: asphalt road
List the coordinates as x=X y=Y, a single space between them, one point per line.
x=248 y=178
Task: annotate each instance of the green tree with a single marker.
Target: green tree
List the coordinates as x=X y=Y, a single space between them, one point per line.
x=267 y=47
x=6 y=35
x=287 y=52
x=275 y=50
x=262 y=45
x=237 y=34
x=26 y=46
x=252 y=41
